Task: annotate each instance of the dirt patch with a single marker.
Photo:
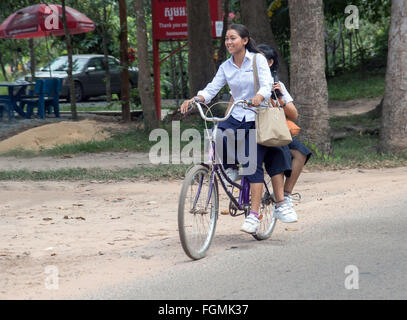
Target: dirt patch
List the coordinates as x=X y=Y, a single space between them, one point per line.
x=356 y=106
x=64 y=132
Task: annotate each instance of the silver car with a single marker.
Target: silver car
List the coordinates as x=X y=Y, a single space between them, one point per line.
x=89 y=75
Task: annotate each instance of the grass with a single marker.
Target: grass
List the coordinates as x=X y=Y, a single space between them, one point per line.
x=356 y=151
x=147 y=172
x=359 y=148
x=112 y=107
x=355 y=86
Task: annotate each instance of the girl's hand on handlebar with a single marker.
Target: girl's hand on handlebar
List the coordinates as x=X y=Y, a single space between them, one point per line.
x=185 y=105
x=256 y=100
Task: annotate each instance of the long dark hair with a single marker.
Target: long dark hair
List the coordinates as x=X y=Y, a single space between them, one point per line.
x=270 y=53
x=244 y=33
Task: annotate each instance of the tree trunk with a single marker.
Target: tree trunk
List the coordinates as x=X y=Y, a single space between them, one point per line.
x=222 y=49
x=334 y=58
x=184 y=88
x=32 y=58
x=255 y=18
x=393 y=133
x=343 y=49
x=70 y=77
x=326 y=57
x=124 y=64
x=350 y=49
x=106 y=58
x=361 y=49
x=308 y=81
x=175 y=91
x=144 y=83
x=3 y=69
x=201 y=67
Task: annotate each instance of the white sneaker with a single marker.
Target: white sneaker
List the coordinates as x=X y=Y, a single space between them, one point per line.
x=251 y=224
x=287 y=197
x=285 y=213
x=289 y=200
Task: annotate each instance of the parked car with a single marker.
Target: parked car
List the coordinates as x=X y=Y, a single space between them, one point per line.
x=89 y=75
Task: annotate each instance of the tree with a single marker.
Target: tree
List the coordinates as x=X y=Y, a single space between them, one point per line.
x=222 y=49
x=254 y=17
x=201 y=66
x=393 y=133
x=70 y=77
x=124 y=74
x=144 y=83
x=307 y=69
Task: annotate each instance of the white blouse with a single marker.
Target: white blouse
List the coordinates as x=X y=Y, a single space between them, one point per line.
x=241 y=83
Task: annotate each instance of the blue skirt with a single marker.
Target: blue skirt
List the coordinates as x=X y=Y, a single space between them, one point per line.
x=297 y=145
x=278 y=160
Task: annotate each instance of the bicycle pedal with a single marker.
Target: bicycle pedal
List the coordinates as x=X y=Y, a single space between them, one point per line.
x=225 y=212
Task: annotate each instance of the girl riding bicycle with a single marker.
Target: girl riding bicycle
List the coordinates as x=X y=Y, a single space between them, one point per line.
x=237 y=73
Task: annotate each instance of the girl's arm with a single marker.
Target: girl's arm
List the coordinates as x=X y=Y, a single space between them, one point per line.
x=289 y=109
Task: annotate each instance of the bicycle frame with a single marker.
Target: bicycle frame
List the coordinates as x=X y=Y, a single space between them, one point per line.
x=243 y=202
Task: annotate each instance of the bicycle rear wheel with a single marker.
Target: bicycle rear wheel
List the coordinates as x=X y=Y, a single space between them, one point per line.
x=267 y=222
x=198 y=209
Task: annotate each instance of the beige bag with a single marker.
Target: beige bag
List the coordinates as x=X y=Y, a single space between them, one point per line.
x=271 y=125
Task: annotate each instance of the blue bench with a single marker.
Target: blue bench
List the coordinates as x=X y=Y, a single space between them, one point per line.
x=44 y=97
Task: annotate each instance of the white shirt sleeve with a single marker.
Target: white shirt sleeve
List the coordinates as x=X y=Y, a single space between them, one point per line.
x=286 y=96
x=212 y=89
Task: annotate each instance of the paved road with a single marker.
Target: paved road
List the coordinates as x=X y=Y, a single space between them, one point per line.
x=307 y=264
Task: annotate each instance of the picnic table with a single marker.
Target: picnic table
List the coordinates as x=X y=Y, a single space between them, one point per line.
x=16 y=89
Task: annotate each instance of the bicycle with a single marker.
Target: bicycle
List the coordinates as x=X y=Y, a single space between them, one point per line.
x=199 y=198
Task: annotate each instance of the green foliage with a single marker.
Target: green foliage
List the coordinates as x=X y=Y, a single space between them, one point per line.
x=356 y=85
x=320 y=156
x=280 y=24
x=372 y=10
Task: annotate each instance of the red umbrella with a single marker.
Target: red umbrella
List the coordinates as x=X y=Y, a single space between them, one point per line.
x=42 y=20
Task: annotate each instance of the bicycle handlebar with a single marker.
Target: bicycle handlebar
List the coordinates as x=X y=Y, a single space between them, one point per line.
x=217 y=119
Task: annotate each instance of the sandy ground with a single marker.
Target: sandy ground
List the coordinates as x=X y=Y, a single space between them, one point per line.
x=64 y=132
x=98 y=234
x=356 y=106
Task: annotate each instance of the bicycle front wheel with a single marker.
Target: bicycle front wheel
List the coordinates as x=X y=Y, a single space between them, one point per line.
x=267 y=222
x=198 y=209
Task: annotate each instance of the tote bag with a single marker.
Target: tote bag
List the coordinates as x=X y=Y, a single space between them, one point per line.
x=271 y=124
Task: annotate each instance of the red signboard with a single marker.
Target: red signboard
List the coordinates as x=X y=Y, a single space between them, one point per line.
x=170 y=23
x=170 y=19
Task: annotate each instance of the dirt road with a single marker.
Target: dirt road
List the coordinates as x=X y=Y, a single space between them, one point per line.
x=97 y=234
